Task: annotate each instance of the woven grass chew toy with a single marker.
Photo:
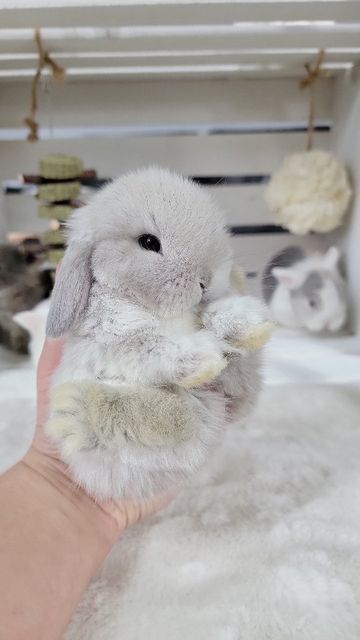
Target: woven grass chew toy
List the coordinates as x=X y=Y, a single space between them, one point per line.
x=161 y=348
x=58 y=189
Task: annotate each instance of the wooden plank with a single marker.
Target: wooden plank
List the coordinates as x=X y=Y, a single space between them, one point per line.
x=242 y=205
x=178 y=13
x=234 y=56
x=194 y=129
x=193 y=155
x=100 y=74
x=275 y=39
x=294 y=61
x=160 y=103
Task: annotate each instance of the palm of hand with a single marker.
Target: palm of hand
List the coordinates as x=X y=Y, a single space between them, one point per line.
x=124 y=513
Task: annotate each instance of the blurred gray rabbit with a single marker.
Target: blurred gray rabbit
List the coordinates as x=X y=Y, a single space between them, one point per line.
x=159 y=350
x=23 y=283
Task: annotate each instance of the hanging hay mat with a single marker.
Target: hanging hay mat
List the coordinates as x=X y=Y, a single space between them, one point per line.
x=310 y=192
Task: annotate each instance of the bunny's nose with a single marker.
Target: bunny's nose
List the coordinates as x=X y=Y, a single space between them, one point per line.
x=202 y=287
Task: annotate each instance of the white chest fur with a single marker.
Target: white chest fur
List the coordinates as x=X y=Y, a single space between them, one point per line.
x=184 y=325
x=115 y=341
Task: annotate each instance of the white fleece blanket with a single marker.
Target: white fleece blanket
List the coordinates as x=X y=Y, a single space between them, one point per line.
x=265 y=545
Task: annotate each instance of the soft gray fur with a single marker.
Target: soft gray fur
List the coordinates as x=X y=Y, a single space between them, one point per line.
x=68 y=302
x=156 y=358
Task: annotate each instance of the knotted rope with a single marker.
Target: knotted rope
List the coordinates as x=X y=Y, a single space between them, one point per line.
x=57 y=72
x=313 y=73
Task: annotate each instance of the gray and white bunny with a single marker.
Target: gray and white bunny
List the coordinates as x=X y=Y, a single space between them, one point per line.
x=159 y=343
x=306 y=291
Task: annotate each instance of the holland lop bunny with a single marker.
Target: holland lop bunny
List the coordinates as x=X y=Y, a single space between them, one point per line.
x=306 y=291
x=159 y=344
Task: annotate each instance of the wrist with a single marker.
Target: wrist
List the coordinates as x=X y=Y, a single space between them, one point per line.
x=101 y=523
x=54 y=539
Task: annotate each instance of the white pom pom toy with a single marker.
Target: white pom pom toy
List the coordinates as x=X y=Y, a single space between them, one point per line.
x=310 y=192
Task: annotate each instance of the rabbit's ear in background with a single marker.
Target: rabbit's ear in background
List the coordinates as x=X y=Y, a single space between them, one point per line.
x=331 y=258
x=291 y=277
x=71 y=290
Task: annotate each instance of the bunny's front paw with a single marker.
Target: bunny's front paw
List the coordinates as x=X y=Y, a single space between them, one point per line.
x=239 y=320
x=202 y=364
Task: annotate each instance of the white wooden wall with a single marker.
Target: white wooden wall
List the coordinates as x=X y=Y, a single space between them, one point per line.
x=142 y=103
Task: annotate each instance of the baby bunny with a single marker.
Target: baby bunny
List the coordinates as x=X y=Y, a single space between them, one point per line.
x=157 y=353
x=306 y=291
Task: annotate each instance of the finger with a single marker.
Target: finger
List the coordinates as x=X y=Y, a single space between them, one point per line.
x=50 y=356
x=49 y=360
x=52 y=349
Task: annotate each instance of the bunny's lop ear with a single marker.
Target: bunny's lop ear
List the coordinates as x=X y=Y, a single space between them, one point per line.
x=71 y=290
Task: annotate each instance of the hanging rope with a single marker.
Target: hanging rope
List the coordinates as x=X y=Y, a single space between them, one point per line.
x=313 y=73
x=57 y=72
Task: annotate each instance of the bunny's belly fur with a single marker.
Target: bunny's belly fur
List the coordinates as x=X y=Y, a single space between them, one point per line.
x=120 y=436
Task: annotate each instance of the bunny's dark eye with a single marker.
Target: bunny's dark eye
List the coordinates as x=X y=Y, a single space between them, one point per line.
x=149 y=242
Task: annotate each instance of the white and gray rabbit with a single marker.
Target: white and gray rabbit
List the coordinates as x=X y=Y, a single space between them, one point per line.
x=306 y=291
x=159 y=344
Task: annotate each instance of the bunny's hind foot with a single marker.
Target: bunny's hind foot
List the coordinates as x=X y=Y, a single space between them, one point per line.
x=86 y=415
x=119 y=443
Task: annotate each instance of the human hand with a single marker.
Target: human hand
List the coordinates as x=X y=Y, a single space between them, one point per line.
x=54 y=537
x=117 y=515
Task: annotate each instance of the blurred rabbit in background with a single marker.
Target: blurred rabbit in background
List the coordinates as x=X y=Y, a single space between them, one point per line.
x=23 y=284
x=306 y=291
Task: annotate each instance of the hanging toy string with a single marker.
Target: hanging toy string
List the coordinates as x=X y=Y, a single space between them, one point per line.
x=57 y=72
x=313 y=73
